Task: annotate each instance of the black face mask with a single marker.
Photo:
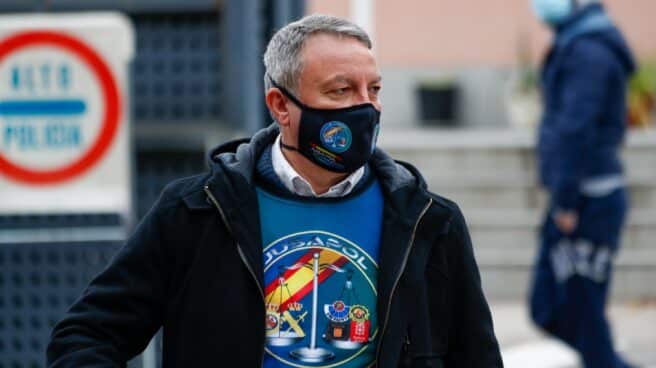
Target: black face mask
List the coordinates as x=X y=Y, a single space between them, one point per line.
x=339 y=140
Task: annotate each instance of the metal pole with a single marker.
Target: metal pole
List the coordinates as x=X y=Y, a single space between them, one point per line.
x=313 y=353
x=315 y=301
x=282 y=13
x=363 y=13
x=243 y=32
x=285 y=11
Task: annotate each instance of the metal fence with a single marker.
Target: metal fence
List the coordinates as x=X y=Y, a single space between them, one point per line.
x=187 y=56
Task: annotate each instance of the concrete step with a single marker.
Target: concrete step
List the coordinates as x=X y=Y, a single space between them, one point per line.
x=506 y=273
x=497 y=168
x=474 y=151
x=520 y=189
x=519 y=179
x=513 y=217
x=633 y=237
x=512 y=283
x=492 y=176
x=506 y=248
x=508 y=198
x=491 y=257
x=518 y=229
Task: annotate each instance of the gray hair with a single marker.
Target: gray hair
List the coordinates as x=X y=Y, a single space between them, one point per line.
x=282 y=58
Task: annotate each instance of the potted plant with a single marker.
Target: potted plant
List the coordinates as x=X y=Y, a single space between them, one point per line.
x=523 y=98
x=642 y=96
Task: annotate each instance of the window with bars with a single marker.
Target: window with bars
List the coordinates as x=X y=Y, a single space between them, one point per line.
x=176 y=73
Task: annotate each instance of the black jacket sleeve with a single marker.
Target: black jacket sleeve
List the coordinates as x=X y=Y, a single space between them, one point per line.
x=122 y=307
x=471 y=341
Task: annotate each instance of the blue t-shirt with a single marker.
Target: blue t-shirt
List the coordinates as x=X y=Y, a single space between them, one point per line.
x=332 y=244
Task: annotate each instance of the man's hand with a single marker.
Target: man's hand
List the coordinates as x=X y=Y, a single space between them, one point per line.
x=566 y=221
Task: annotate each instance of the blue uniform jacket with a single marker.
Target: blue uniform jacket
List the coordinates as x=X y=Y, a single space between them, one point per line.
x=584 y=87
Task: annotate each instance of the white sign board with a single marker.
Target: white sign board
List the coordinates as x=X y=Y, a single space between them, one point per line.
x=64 y=114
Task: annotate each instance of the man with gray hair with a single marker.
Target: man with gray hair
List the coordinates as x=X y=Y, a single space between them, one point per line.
x=305 y=246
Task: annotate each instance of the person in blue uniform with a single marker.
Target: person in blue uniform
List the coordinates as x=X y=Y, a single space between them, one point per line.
x=584 y=81
x=305 y=246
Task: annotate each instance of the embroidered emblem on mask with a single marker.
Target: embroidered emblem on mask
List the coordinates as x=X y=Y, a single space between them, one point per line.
x=336 y=136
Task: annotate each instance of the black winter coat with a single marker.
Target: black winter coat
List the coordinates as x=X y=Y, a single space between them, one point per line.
x=194 y=266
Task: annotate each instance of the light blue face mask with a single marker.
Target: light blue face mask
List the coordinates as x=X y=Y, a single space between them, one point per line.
x=553 y=12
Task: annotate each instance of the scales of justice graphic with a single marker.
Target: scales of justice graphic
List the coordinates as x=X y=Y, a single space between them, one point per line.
x=348 y=326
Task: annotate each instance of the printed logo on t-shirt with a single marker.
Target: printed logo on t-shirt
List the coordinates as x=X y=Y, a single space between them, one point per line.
x=320 y=293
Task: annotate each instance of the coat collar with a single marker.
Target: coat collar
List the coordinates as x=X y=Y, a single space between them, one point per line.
x=232 y=184
x=233 y=165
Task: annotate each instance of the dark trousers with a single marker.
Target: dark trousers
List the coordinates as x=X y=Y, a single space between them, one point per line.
x=572 y=275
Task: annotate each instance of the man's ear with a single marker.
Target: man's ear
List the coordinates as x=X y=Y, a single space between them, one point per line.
x=278 y=106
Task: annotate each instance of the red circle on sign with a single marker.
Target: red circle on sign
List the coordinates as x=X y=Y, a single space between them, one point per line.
x=110 y=119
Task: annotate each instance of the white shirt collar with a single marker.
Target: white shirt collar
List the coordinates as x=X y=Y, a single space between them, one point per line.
x=295 y=183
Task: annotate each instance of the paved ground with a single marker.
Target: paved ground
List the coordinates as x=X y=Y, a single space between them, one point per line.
x=634 y=327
